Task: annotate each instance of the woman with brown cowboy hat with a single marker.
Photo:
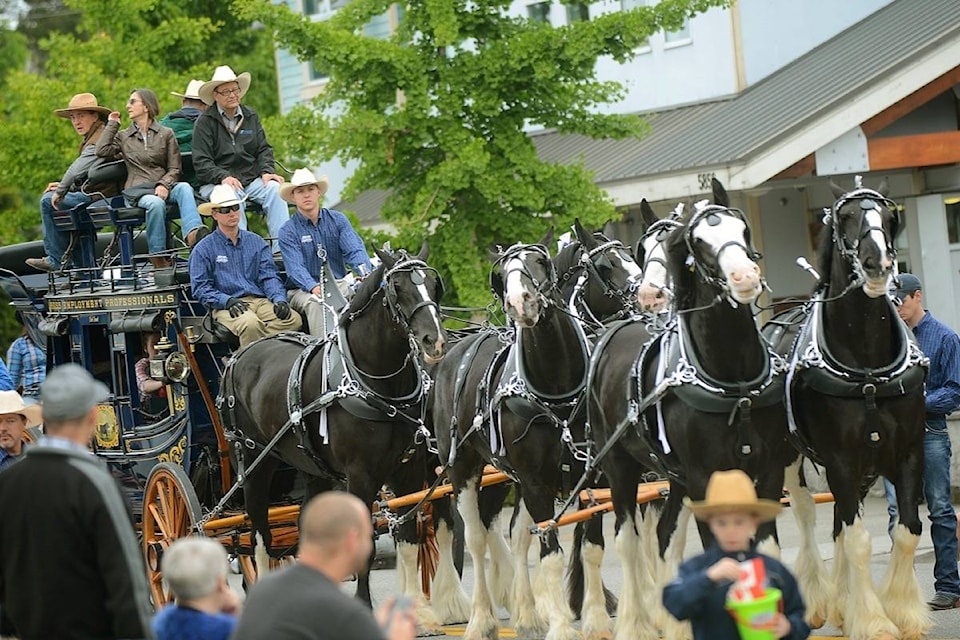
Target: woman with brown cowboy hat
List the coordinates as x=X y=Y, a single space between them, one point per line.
x=152 y=156
x=699 y=593
x=88 y=119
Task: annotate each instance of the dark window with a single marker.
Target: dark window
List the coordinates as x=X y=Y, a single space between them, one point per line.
x=539 y=12
x=577 y=12
x=316 y=74
x=311 y=7
x=952 y=206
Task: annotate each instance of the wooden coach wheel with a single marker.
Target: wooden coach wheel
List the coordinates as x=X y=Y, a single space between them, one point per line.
x=171 y=511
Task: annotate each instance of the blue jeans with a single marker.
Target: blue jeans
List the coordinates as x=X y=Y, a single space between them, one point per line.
x=55 y=241
x=943 y=519
x=276 y=210
x=156 y=208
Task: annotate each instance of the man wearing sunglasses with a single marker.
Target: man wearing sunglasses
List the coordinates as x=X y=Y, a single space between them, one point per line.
x=230 y=148
x=232 y=272
x=941 y=345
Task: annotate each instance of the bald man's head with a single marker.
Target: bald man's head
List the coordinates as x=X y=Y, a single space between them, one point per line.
x=329 y=517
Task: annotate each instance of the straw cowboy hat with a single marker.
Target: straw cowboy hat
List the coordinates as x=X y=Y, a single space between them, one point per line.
x=303 y=178
x=192 y=92
x=11 y=402
x=221 y=196
x=733 y=491
x=82 y=102
x=223 y=75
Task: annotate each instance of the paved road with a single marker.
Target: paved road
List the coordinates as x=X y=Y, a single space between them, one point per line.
x=946 y=623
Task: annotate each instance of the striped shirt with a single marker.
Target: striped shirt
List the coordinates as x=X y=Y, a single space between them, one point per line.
x=299 y=239
x=220 y=270
x=27 y=365
x=942 y=346
x=6 y=382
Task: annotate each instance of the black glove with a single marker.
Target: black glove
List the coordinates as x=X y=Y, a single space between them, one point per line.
x=236 y=306
x=281 y=310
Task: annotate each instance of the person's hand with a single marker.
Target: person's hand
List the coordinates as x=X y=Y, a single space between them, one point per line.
x=236 y=307
x=55 y=201
x=267 y=177
x=233 y=183
x=161 y=192
x=398 y=623
x=230 y=602
x=51 y=187
x=281 y=309
x=114 y=116
x=781 y=626
x=724 y=569
x=316 y=291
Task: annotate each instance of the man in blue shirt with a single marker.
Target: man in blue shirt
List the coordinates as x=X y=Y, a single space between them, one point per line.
x=314 y=242
x=942 y=346
x=233 y=274
x=6 y=382
x=28 y=365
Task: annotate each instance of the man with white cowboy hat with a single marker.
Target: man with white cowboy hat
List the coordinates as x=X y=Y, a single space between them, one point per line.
x=88 y=119
x=314 y=242
x=230 y=148
x=182 y=122
x=15 y=418
x=232 y=272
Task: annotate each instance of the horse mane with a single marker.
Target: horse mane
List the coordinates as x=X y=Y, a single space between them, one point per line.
x=365 y=292
x=567 y=257
x=825 y=255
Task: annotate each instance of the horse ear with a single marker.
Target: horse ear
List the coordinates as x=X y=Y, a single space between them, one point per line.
x=837 y=191
x=424 y=251
x=884 y=188
x=496 y=283
x=385 y=257
x=720 y=196
x=649 y=217
x=547 y=238
x=586 y=239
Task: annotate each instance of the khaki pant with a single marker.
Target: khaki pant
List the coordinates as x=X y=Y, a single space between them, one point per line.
x=258 y=321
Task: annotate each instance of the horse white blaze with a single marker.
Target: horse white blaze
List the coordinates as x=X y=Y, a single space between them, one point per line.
x=425 y=297
x=876 y=287
x=900 y=591
x=515 y=293
x=741 y=272
x=448 y=600
x=652 y=294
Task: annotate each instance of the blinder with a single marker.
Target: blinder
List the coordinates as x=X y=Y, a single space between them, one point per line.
x=711 y=215
x=868 y=200
x=542 y=288
x=417 y=269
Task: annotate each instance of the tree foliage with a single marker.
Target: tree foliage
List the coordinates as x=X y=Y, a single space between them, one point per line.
x=438 y=114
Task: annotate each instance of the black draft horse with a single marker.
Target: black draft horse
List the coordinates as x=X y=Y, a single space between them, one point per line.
x=702 y=396
x=368 y=386
x=512 y=405
x=855 y=402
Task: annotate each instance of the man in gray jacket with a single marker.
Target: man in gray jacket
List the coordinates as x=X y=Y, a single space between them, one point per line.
x=88 y=119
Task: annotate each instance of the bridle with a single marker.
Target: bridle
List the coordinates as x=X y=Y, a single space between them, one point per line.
x=869 y=200
x=512 y=257
x=416 y=268
x=593 y=260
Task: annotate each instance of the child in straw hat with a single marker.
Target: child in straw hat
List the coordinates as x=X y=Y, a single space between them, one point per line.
x=699 y=593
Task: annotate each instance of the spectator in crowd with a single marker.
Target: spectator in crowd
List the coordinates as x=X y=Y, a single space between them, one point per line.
x=230 y=148
x=206 y=607
x=313 y=237
x=304 y=601
x=941 y=345
x=88 y=119
x=70 y=564
x=15 y=418
x=28 y=364
x=152 y=157
x=232 y=272
x=699 y=592
x=181 y=122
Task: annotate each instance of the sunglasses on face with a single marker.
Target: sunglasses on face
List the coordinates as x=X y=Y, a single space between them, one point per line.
x=229 y=209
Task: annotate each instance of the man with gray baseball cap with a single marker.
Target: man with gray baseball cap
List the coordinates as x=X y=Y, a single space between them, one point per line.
x=70 y=566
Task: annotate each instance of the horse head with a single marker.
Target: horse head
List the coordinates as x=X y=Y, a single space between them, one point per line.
x=715 y=244
x=412 y=292
x=524 y=278
x=863 y=225
x=654 y=290
x=611 y=272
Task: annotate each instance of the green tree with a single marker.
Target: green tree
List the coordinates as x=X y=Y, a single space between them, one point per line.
x=437 y=114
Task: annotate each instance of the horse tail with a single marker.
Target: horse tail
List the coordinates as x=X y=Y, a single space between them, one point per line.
x=575 y=577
